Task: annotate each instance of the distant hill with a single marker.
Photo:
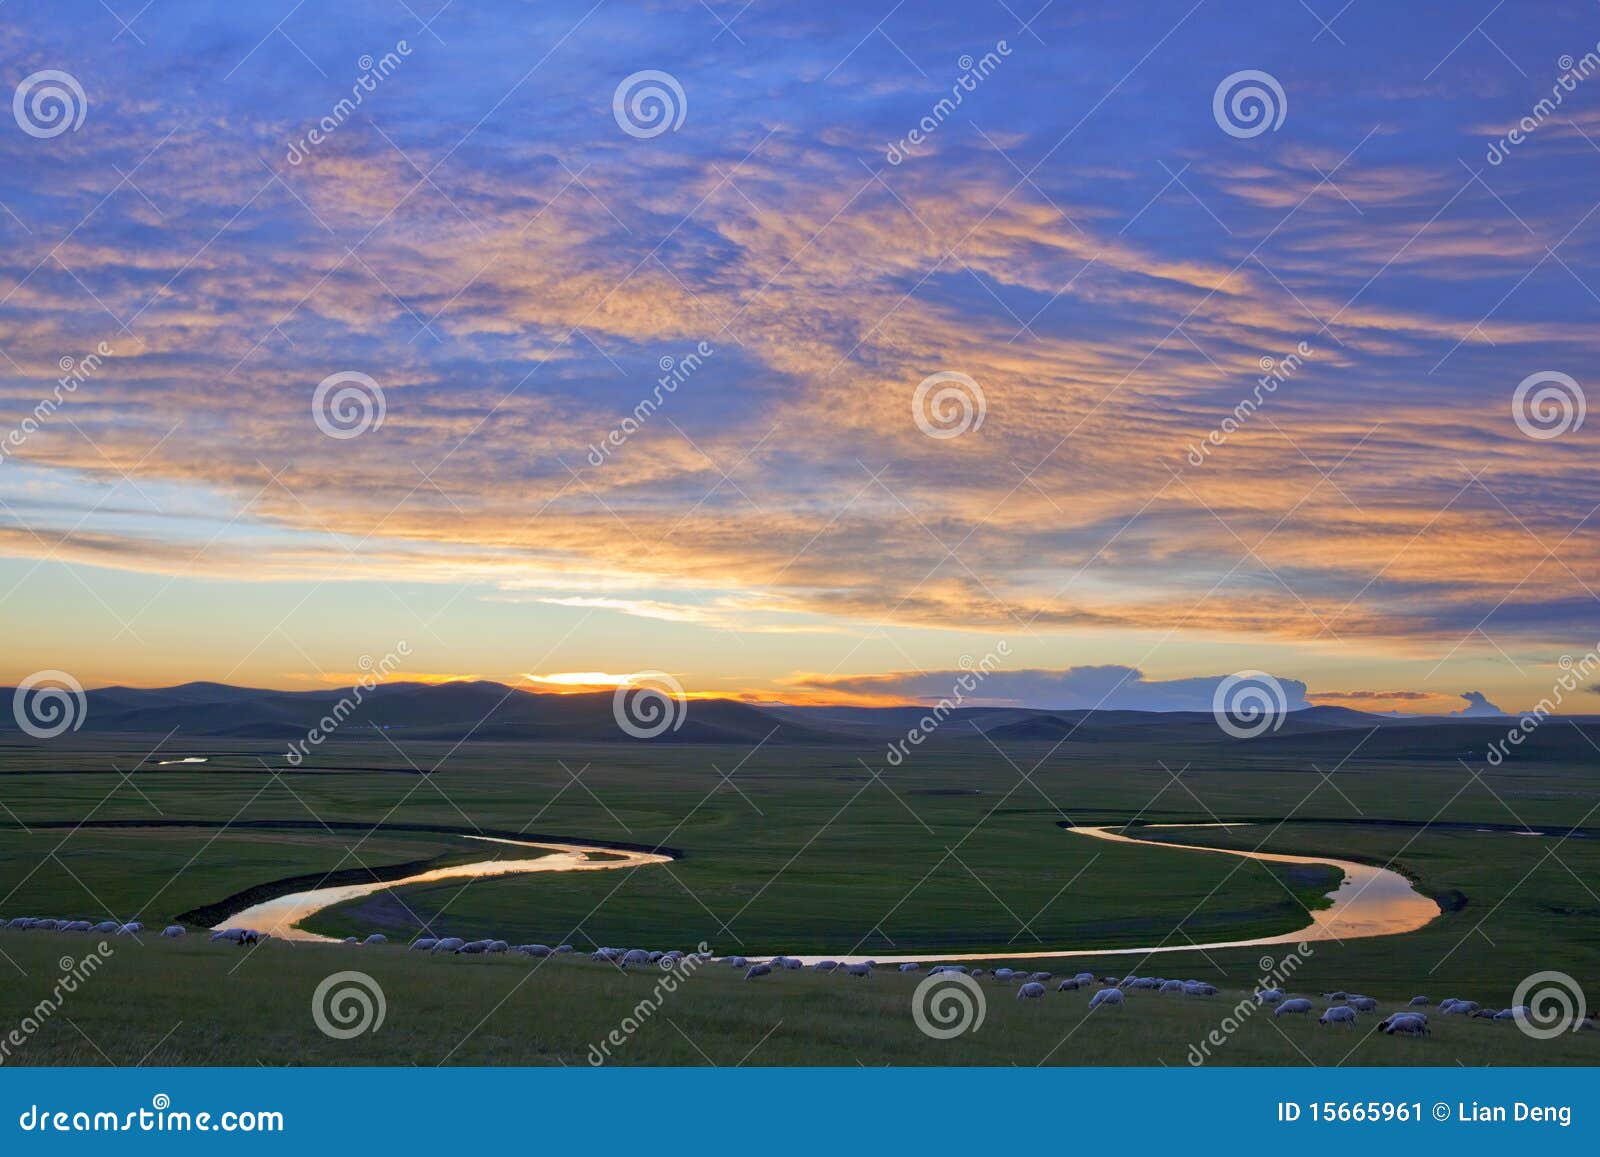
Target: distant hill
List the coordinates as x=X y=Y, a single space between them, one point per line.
x=451 y=712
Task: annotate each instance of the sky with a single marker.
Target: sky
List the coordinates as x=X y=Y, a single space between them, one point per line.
x=598 y=338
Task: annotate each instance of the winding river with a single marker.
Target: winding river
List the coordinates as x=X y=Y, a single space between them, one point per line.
x=282 y=915
x=1369 y=901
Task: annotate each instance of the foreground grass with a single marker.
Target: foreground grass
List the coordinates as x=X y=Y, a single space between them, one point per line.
x=195 y=1003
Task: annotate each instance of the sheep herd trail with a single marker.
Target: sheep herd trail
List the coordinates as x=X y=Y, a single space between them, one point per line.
x=1370 y=901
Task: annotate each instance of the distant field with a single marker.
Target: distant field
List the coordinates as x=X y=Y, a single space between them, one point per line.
x=958 y=850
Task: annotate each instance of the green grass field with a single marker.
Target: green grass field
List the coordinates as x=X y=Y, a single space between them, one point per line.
x=798 y=850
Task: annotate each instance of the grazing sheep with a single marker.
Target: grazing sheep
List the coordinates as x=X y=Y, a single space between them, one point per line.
x=1455 y=1007
x=1147 y=982
x=1418 y=1002
x=473 y=948
x=1363 y=1004
x=173 y=931
x=858 y=969
x=1269 y=996
x=351 y=940
x=450 y=944
x=1338 y=1014
x=1109 y=997
x=106 y=926
x=635 y=956
x=975 y=973
x=563 y=948
x=1171 y=986
x=426 y=944
x=788 y=962
x=1514 y=1013
x=1198 y=988
x=825 y=965
x=1039 y=976
x=1003 y=974
x=1084 y=978
x=758 y=970
x=376 y=938
x=536 y=950
x=1032 y=990
x=1405 y=1024
x=130 y=929
x=76 y=926
x=1336 y=996
x=909 y=967
x=737 y=962
x=1298 y=1005
x=1068 y=985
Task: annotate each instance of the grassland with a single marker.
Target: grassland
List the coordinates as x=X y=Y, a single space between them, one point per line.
x=798 y=850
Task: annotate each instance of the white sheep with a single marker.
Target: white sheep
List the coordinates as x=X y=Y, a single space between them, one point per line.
x=173 y=931
x=1297 y=1005
x=473 y=948
x=1269 y=996
x=1517 y=1013
x=1405 y=1023
x=376 y=938
x=1199 y=988
x=1338 y=1014
x=758 y=970
x=450 y=944
x=636 y=956
x=909 y=967
x=1110 y=997
x=1363 y=1004
x=825 y=965
x=1084 y=978
x=1070 y=984
x=425 y=944
x=858 y=969
x=1032 y=990
x=493 y=946
x=1171 y=986
x=1418 y=1002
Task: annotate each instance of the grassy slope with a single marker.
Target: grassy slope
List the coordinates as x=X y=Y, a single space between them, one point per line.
x=224 y=1005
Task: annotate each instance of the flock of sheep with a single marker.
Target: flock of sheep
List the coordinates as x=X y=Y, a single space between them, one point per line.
x=1342 y=1008
x=103 y=927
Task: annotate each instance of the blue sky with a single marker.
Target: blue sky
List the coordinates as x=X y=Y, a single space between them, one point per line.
x=1080 y=238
